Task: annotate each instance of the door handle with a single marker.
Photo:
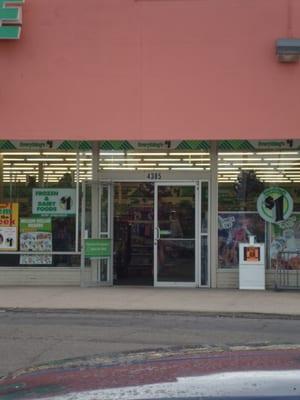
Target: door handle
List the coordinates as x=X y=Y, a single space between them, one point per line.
x=157 y=233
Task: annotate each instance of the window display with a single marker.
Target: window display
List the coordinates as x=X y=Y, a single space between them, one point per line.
x=235 y=228
x=273 y=178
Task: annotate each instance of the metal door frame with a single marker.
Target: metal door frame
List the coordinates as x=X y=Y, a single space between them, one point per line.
x=156 y=238
x=163 y=182
x=96 y=233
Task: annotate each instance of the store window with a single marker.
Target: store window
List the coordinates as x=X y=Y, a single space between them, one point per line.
x=39 y=214
x=243 y=175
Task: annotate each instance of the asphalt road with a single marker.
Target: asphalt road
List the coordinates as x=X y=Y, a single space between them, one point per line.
x=27 y=339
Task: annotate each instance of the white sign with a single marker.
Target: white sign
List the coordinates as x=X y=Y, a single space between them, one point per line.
x=8 y=238
x=54 y=202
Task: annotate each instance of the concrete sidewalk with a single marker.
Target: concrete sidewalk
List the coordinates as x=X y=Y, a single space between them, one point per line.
x=151 y=299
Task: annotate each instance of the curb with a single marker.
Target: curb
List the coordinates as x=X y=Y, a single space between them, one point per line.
x=218 y=314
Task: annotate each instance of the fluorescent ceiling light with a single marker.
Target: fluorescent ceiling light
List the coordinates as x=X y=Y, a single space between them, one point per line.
x=197 y=159
x=277 y=181
x=289 y=168
x=17 y=164
x=162 y=159
x=109 y=165
x=203 y=164
x=151 y=169
x=241 y=159
x=283 y=159
x=55 y=168
x=139 y=164
x=187 y=169
x=265 y=168
x=251 y=167
x=227 y=168
x=120 y=159
x=270 y=176
x=197 y=153
x=250 y=164
x=112 y=153
x=175 y=164
x=45 y=159
x=13 y=159
x=276 y=152
x=62 y=164
x=121 y=168
x=21 y=153
x=145 y=168
x=17 y=168
x=147 y=154
x=59 y=153
x=268 y=172
x=230 y=153
x=285 y=163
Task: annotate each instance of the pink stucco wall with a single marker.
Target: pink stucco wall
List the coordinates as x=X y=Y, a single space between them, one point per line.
x=152 y=69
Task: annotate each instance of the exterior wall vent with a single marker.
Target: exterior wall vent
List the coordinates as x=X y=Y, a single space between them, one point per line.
x=288 y=50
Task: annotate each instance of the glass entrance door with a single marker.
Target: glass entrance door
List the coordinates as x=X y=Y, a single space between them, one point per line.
x=175 y=234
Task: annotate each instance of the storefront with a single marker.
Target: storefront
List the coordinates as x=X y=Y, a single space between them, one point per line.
x=153 y=214
x=138 y=136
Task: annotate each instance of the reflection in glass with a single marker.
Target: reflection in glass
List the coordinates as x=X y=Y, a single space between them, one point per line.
x=176 y=261
x=104 y=209
x=103 y=270
x=176 y=211
x=204 y=207
x=204 y=260
x=133 y=233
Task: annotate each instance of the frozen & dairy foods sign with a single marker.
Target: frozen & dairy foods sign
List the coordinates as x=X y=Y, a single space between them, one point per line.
x=54 y=202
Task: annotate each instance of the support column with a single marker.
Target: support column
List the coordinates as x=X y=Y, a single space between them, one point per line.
x=1 y=178
x=95 y=191
x=41 y=175
x=95 y=206
x=214 y=214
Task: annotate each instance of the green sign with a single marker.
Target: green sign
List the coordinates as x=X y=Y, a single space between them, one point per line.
x=97 y=248
x=275 y=205
x=54 y=202
x=10 y=19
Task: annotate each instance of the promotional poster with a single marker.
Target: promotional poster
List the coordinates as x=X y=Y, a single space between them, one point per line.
x=36 y=236
x=9 y=223
x=235 y=228
x=285 y=237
